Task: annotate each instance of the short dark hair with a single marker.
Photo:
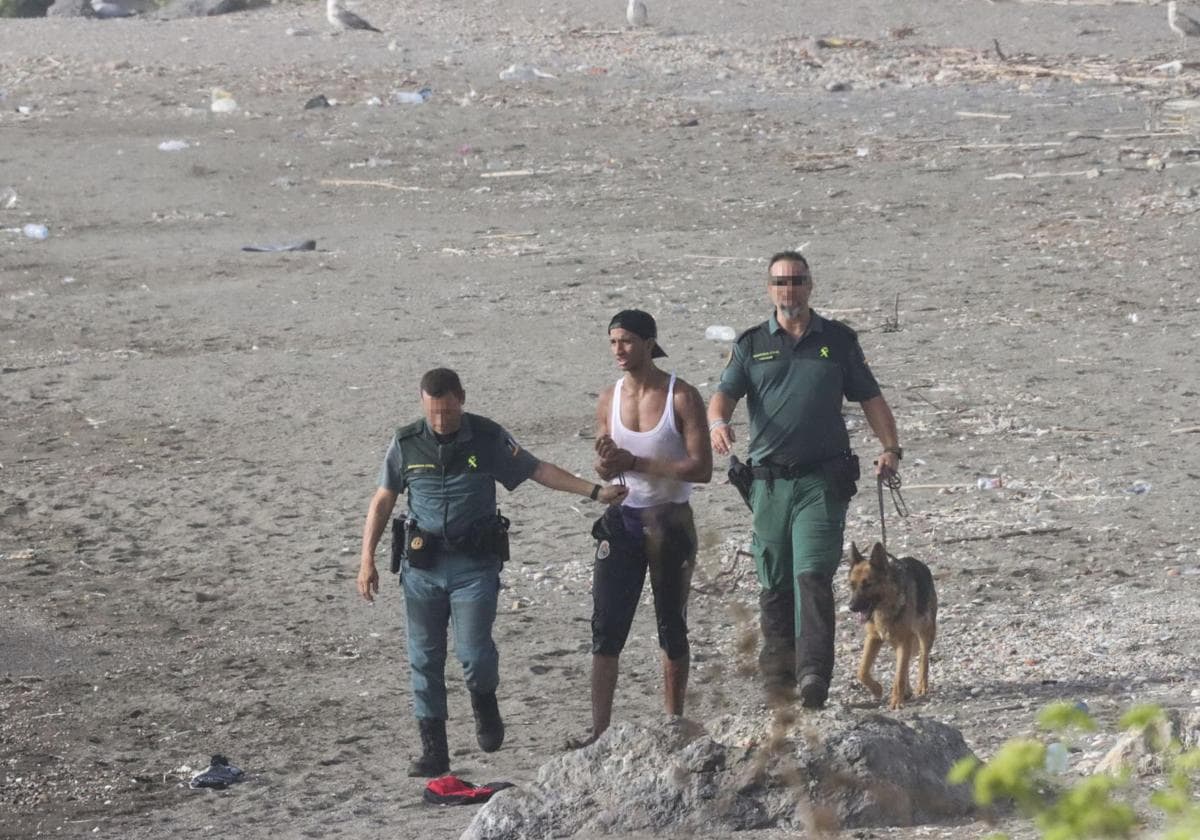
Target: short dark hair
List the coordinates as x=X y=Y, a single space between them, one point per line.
x=789 y=256
x=441 y=381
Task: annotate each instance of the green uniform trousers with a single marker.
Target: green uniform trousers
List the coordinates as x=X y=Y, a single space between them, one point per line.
x=799 y=524
x=798 y=529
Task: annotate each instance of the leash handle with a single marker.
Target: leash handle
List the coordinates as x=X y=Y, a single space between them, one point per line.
x=882 y=524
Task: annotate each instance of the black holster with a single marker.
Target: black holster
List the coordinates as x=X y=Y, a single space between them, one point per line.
x=741 y=476
x=841 y=474
x=490 y=536
x=398 y=542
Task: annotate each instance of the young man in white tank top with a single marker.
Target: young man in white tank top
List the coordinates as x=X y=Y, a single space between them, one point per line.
x=652 y=435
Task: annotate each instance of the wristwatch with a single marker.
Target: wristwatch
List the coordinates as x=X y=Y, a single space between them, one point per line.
x=898 y=451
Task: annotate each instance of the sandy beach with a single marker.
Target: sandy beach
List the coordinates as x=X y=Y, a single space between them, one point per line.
x=999 y=197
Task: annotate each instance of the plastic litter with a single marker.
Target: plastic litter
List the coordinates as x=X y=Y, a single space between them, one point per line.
x=989 y=482
x=318 y=101
x=172 y=145
x=8 y=198
x=1139 y=488
x=34 y=231
x=720 y=333
x=523 y=73
x=219 y=774
x=223 y=102
x=302 y=245
x=412 y=97
x=1057 y=758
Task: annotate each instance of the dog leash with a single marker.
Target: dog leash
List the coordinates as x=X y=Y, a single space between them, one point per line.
x=893 y=484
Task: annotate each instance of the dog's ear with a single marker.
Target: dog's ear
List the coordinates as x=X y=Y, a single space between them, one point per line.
x=878 y=555
x=856 y=555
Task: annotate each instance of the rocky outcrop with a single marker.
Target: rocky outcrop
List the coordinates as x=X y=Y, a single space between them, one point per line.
x=852 y=771
x=1141 y=751
x=70 y=8
x=205 y=8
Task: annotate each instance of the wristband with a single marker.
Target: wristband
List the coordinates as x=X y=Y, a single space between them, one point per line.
x=898 y=451
x=595 y=494
x=716 y=423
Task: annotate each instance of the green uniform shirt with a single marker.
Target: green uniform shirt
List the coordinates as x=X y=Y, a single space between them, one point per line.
x=452 y=485
x=794 y=389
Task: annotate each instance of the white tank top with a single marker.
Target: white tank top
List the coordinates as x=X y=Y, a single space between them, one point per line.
x=663 y=441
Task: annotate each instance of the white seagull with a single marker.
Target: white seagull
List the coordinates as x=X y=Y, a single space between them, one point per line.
x=1182 y=25
x=636 y=13
x=341 y=19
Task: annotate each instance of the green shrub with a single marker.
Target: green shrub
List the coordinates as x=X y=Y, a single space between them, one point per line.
x=1095 y=806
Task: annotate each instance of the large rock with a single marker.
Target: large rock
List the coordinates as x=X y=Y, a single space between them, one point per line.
x=70 y=8
x=676 y=778
x=1141 y=751
x=24 y=8
x=205 y=8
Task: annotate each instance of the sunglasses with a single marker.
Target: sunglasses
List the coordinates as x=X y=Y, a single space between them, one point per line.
x=795 y=280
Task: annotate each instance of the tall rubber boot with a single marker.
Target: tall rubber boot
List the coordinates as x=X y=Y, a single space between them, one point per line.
x=776 y=658
x=435 y=752
x=814 y=642
x=489 y=728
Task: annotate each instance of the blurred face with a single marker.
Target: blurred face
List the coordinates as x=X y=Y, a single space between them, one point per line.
x=629 y=349
x=444 y=413
x=789 y=287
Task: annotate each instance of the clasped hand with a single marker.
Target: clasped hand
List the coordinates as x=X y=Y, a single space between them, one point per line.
x=612 y=460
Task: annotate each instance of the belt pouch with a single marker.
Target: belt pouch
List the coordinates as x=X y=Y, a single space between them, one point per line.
x=842 y=473
x=419 y=549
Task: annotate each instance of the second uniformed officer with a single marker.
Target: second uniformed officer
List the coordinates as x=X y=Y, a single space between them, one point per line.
x=794 y=371
x=454 y=544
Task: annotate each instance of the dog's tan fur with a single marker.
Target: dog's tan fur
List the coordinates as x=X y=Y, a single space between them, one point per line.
x=899 y=602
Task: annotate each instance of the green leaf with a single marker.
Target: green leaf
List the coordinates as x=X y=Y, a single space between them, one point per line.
x=1061 y=716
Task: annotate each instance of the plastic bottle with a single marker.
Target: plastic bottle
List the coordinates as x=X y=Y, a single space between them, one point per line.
x=412 y=97
x=720 y=333
x=35 y=231
x=1057 y=758
x=989 y=482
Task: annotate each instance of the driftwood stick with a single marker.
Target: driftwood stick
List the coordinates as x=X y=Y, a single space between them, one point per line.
x=1004 y=535
x=357 y=182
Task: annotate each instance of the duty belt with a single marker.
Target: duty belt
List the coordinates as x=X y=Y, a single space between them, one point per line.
x=770 y=472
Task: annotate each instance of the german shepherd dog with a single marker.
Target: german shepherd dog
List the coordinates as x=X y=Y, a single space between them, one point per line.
x=896 y=601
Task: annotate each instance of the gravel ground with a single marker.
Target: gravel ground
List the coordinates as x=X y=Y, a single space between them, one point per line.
x=994 y=194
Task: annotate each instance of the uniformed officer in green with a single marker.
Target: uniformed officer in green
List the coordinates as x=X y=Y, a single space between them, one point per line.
x=794 y=371
x=455 y=542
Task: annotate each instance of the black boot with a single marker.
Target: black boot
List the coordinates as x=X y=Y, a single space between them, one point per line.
x=814 y=642
x=777 y=657
x=489 y=728
x=435 y=753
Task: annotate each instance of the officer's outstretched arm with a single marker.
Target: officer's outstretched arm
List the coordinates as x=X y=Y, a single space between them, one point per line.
x=556 y=478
